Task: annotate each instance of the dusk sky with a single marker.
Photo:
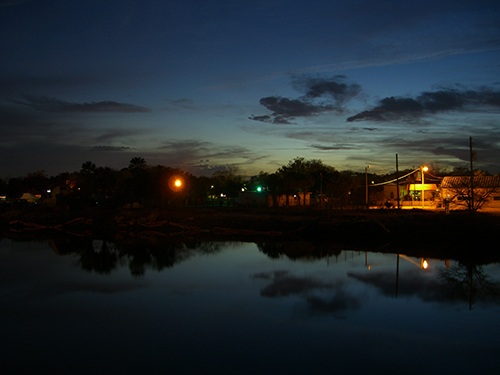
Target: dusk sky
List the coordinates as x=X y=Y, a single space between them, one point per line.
x=202 y=85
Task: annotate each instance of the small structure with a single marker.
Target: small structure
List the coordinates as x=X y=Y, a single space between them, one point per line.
x=430 y=194
x=30 y=198
x=410 y=195
x=297 y=199
x=263 y=199
x=479 y=192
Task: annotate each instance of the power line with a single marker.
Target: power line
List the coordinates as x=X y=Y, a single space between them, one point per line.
x=388 y=182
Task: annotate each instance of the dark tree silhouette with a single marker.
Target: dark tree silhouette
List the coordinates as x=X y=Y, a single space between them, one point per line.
x=468 y=282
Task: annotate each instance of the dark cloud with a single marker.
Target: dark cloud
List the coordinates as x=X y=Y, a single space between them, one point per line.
x=332 y=148
x=43 y=103
x=333 y=92
x=324 y=87
x=110 y=148
x=430 y=102
x=390 y=108
x=285 y=109
x=267 y=118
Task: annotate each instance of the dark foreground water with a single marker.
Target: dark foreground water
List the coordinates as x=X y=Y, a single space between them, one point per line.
x=242 y=308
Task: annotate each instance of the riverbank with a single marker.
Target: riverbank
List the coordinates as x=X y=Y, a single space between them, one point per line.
x=425 y=233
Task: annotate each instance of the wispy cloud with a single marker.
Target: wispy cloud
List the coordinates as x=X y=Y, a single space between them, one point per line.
x=177 y=104
x=43 y=103
x=110 y=135
x=204 y=158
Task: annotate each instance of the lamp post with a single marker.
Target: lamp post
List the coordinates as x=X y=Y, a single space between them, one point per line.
x=366 y=183
x=422 y=170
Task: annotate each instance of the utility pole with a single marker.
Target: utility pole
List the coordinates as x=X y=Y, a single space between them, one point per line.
x=471 y=175
x=397 y=180
x=321 y=190
x=366 y=184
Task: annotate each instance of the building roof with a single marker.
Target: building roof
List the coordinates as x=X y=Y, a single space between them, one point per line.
x=484 y=182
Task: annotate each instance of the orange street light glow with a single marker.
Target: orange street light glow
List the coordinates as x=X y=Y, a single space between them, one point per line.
x=176 y=183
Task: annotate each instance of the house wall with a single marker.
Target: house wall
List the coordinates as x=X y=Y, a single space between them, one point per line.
x=493 y=202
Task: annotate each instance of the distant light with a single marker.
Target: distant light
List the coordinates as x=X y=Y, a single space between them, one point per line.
x=425 y=265
x=176 y=183
x=259 y=189
x=425 y=169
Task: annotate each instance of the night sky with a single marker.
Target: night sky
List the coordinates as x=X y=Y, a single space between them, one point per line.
x=202 y=85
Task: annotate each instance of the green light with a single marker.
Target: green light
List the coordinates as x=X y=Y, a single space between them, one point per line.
x=259 y=188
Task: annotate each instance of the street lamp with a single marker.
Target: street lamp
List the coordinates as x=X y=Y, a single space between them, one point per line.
x=366 y=183
x=422 y=170
x=176 y=183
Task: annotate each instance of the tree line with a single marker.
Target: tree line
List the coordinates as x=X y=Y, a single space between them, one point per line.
x=149 y=186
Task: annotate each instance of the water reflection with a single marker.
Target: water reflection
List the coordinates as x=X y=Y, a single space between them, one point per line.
x=454 y=284
x=102 y=257
x=299 y=250
x=469 y=282
x=462 y=282
x=244 y=308
x=321 y=297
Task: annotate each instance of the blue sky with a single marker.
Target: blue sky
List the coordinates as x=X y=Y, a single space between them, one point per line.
x=202 y=85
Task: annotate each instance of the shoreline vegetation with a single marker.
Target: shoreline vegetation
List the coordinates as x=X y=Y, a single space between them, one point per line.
x=459 y=235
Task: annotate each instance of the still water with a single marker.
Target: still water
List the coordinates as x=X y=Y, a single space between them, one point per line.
x=242 y=308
